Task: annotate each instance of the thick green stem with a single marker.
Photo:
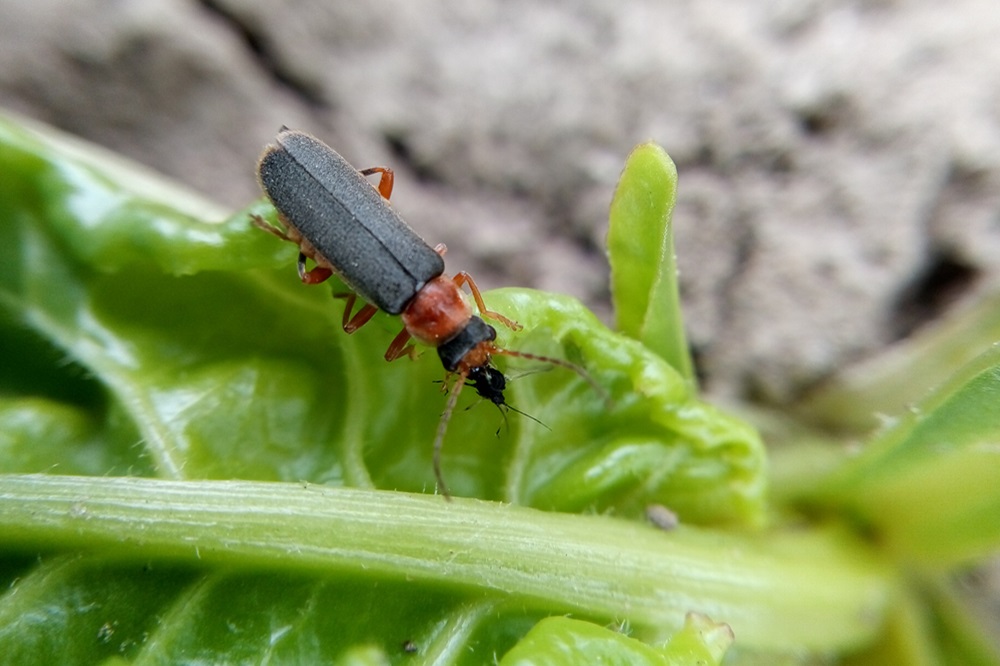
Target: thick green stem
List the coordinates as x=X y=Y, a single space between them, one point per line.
x=808 y=590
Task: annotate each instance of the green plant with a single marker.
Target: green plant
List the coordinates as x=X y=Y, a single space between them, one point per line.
x=199 y=466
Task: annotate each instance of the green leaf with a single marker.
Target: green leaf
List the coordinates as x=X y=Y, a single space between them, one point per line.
x=699 y=641
x=887 y=383
x=929 y=626
x=561 y=641
x=228 y=369
x=657 y=444
x=644 y=284
x=927 y=485
x=149 y=335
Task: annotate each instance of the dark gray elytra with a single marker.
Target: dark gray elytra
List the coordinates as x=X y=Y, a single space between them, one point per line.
x=347 y=221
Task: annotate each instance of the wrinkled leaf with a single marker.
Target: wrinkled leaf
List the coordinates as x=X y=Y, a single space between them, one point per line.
x=562 y=641
x=148 y=335
x=199 y=336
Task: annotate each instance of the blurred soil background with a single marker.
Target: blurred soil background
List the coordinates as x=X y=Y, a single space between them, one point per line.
x=839 y=160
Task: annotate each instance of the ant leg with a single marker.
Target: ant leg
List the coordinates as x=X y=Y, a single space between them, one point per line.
x=385 y=181
x=441 y=248
x=462 y=278
x=314 y=276
x=399 y=348
x=362 y=317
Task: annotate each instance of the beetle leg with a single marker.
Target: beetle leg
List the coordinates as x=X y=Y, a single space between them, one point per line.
x=316 y=275
x=462 y=278
x=444 y=382
x=362 y=317
x=259 y=222
x=399 y=348
x=384 y=182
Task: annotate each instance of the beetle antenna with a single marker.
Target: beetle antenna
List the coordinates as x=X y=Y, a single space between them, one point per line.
x=600 y=390
x=503 y=423
x=443 y=428
x=526 y=415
